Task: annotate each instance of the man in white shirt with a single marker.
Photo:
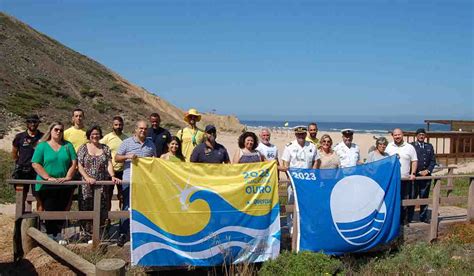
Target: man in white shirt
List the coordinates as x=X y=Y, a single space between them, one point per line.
x=408 y=161
x=348 y=152
x=300 y=154
x=267 y=149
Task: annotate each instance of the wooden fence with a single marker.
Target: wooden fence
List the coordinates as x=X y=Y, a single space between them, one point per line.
x=449 y=146
x=23 y=204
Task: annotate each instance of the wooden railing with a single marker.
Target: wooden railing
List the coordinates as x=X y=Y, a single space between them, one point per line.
x=23 y=205
x=452 y=145
x=97 y=215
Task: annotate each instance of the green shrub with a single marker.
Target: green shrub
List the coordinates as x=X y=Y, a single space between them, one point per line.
x=137 y=100
x=71 y=101
x=304 y=263
x=87 y=92
x=22 y=103
x=7 y=193
x=102 y=106
x=118 y=88
x=423 y=258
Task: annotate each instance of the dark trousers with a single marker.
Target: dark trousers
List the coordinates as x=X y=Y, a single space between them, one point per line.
x=125 y=223
x=55 y=199
x=422 y=190
x=109 y=191
x=25 y=173
x=408 y=192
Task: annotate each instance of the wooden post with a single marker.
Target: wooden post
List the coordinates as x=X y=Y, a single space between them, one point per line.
x=294 y=237
x=27 y=201
x=470 y=202
x=27 y=243
x=435 y=210
x=97 y=218
x=71 y=258
x=110 y=267
x=20 y=203
x=450 y=185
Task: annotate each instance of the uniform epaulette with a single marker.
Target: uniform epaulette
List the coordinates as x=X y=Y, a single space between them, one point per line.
x=289 y=144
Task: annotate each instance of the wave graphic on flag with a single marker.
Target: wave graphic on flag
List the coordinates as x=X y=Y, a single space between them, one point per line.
x=221 y=239
x=362 y=231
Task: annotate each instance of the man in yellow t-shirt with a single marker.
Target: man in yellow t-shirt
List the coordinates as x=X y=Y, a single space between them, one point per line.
x=190 y=136
x=113 y=140
x=77 y=136
x=77 y=133
x=312 y=133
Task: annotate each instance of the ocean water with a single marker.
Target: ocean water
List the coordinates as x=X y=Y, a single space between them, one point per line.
x=359 y=127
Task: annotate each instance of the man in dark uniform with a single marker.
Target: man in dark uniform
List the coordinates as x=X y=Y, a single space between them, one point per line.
x=426 y=163
x=210 y=151
x=23 y=147
x=160 y=136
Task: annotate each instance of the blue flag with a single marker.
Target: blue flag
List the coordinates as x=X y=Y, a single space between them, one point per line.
x=347 y=210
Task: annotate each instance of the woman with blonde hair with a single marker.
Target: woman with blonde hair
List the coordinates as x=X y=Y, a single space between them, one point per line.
x=329 y=159
x=54 y=160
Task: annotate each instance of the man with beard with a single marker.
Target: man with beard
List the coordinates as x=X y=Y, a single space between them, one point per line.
x=313 y=132
x=190 y=136
x=160 y=136
x=210 y=151
x=408 y=161
x=23 y=147
x=113 y=140
x=267 y=149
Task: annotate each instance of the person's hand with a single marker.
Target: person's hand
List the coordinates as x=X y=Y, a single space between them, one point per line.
x=91 y=181
x=424 y=173
x=116 y=180
x=412 y=177
x=282 y=169
x=132 y=156
x=52 y=179
x=61 y=180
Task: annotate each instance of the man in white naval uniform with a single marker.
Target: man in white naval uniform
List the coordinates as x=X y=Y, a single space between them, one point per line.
x=299 y=154
x=348 y=152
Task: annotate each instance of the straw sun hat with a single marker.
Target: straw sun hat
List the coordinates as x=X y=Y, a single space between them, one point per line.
x=192 y=112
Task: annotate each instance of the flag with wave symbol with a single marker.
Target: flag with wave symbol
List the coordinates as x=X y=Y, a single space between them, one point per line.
x=203 y=214
x=347 y=210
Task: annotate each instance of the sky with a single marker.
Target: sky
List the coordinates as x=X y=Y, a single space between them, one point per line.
x=282 y=60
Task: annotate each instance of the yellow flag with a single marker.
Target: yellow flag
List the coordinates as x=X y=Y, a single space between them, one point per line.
x=191 y=212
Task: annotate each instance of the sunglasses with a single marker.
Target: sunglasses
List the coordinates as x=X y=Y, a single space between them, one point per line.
x=32 y=122
x=58 y=130
x=326 y=141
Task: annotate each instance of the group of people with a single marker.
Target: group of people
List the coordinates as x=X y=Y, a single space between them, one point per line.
x=77 y=153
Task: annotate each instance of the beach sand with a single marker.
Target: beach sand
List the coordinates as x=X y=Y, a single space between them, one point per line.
x=281 y=138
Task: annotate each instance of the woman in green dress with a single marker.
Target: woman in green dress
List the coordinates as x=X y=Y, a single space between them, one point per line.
x=54 y=160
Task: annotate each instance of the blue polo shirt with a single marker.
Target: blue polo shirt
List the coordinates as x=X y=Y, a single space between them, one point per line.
x=133 y=146
x=204 y=154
